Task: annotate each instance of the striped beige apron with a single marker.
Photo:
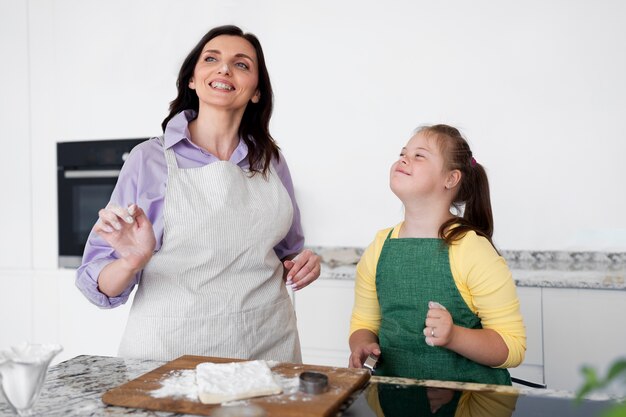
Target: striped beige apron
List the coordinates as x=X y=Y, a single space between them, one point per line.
x=215 y=287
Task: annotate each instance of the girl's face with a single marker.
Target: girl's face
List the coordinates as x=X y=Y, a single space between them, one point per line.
x=419 y=172
x=226 y=75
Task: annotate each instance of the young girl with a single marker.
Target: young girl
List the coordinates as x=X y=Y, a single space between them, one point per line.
x=433 y=297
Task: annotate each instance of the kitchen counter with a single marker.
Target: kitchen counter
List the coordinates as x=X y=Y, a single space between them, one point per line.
x=546 y=269
x=75 y=388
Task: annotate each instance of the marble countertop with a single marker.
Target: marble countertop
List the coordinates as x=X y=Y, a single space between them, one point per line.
x=546 y=269
x=75 y=388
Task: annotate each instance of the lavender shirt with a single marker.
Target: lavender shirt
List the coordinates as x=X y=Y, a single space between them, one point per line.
x=142 y=180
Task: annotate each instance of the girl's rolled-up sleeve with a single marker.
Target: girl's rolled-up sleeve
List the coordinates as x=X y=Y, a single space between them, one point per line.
x=492 y=294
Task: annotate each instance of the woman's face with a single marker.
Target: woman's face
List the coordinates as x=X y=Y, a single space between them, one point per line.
x=419 y=172
x=226 y=75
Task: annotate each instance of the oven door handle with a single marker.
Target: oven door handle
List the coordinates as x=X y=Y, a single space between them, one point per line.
x=103 y=173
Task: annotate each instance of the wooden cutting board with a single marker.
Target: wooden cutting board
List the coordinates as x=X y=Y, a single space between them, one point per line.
x=341 y=383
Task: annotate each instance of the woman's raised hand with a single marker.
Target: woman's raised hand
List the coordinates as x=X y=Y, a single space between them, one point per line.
x=302 y=270
x=129 y=232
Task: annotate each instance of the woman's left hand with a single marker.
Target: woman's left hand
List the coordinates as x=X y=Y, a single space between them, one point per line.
x=439 y=326
x=302 y=269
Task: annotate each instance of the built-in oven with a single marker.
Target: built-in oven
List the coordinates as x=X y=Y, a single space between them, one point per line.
x=86 y=175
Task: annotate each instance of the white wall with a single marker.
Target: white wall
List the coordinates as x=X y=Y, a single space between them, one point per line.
x=537 y=87
x=15 y=166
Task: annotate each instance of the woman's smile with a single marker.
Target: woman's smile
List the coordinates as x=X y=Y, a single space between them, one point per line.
x=222 y=85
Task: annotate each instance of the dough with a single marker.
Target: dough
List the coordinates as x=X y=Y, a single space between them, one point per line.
x=221 y=382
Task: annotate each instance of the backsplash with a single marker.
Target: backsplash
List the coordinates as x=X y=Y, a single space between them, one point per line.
x=334 y=257
x=565 y=261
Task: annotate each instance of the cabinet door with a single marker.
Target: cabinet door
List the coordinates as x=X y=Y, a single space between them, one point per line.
x=61 y=314
x=530 y=305
x=581 y=327
x=323 y=310
x=85 y=329
x=16 y=317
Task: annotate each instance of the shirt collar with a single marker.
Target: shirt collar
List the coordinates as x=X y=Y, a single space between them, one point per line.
x=177 y=130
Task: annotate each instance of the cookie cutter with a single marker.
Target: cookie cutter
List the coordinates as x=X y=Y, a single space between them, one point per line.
x=313 y=382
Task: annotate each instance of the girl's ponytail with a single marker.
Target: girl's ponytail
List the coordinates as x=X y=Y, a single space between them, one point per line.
x=476 y=205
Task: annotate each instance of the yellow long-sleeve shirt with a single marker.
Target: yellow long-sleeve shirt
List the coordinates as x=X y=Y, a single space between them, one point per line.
x=481 y=276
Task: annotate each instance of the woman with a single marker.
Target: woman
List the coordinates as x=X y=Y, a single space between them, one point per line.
x=201 y=218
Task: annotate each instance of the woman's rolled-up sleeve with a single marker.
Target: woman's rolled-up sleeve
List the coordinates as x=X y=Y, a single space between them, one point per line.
x=98 y=253
x=96 y=257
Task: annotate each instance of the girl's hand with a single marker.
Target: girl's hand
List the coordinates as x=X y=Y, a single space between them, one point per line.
x=360 y=354
x=302 y=270
x=129 y=232
x=438 y=397
x=439 y=327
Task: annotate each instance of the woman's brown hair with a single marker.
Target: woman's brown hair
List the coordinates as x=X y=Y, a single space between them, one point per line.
x=254 y=127
x=472 y=197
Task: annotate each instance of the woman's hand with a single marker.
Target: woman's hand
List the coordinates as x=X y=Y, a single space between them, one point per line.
x=361 y=352
x=129 y=232
x=439 y=327
x=302 y=269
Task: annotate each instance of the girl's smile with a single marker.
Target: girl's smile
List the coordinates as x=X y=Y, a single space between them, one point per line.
x=419 y=171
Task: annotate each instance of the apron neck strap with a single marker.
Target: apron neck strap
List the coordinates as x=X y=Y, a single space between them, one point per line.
x=170 y=156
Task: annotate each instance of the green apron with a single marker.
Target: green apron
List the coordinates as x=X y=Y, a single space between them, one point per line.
x=410 y=273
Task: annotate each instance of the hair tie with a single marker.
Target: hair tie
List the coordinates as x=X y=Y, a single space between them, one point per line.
x=472 y=162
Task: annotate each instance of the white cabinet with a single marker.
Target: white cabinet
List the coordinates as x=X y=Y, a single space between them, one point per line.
x=531 y=306
x=81 y=327
x=16 y=317
x=581 y=327
x=323 y=310
x=46 y=307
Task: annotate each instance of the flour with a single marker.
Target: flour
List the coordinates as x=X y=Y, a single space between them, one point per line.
x=271 y=363
x=219 y=382
x=178 y=384
x=184 y=384
x=289 y=385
